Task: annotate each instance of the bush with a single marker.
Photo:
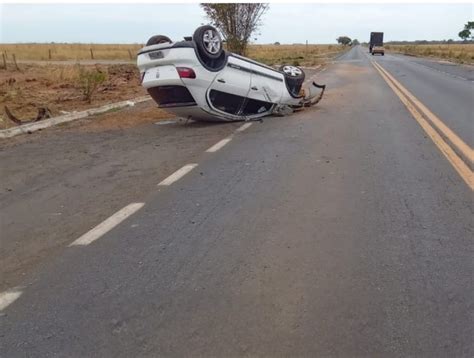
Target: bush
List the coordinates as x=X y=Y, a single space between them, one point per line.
x=89 y=81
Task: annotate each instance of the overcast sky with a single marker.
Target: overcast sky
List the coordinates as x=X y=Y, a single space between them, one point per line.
x=286 y=23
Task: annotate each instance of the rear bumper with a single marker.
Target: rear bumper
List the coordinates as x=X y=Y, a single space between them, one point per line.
x=379 y=50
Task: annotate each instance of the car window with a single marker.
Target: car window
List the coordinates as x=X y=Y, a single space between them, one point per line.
x=226 y=102
x=254 y=106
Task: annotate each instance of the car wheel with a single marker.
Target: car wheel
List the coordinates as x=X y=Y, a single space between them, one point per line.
x=158 y=39
x=208 y=42
x=294 y=77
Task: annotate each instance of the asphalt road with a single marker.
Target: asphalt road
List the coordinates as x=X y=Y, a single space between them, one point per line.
x=447 y=89
x=339 y=231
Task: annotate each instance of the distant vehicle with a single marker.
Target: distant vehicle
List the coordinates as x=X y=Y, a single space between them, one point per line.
x=376 y=43
x=197 y=79
x=378 y=50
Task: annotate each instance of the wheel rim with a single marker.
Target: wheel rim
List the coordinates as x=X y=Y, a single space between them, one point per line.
x=212 y=41
x=292 y=71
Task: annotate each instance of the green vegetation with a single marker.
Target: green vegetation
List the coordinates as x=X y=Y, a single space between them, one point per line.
x=344 y=40
x=89 y=80
x=466 y=34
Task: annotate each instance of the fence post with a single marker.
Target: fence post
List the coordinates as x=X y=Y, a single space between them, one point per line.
x=14 y=61
x=49 y=53
x=130 y=54
x=4 y=61
x=92 y=54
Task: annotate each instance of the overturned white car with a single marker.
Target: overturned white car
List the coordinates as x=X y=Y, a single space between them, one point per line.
x=197 y=79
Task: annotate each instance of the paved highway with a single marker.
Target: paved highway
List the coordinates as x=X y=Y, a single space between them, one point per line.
x=345 y=230
x=447 y=89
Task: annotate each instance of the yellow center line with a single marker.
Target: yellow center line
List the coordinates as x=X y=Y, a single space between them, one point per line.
x=460 y=145
x=463 y=170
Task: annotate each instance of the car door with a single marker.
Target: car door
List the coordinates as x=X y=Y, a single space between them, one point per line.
x=230 y=87
x=266 y=89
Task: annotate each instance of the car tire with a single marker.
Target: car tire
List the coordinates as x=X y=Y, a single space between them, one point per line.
x=158 y=39
x=208 y=42
x=294 y=77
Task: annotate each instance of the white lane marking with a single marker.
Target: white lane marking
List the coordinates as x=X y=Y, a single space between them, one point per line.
x=107 y=225
x=243 y=127
x=178 y=174
x=224 y=141
x=219 y=145
x=8 y=297
x=165 y=122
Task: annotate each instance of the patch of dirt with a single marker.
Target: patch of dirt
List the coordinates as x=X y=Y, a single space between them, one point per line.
x=146 y=112
x=353 y=69
x=57 y=87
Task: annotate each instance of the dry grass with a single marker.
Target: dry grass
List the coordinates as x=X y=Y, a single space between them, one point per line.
x=269 y=54
x=299 y=55
x=61 y=52
x=58 y=88
x=462 y=53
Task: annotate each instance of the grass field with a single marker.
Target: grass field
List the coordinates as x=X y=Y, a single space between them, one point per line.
x=462 y=53
x=298 y=55
x=269 y=54
x=61 y=52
